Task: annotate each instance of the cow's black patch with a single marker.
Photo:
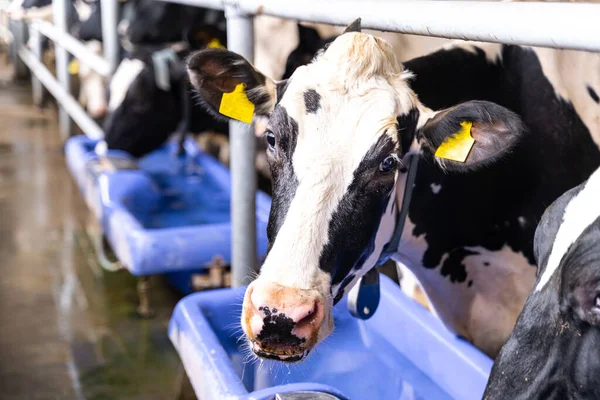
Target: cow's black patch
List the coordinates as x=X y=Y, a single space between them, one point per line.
x=470 y=283
x=312 y=101
x=593 y=94
x=407 y=126
x=472 y=209
x=284 y=179
x=453 y=266
x=277 y=328
x=486 y=264
x=356 y=219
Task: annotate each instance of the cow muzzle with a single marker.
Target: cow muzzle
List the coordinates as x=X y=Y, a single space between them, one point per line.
x=283 y=323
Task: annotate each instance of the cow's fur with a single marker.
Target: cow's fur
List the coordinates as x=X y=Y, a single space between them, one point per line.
x=552 y=352
x=472 y=235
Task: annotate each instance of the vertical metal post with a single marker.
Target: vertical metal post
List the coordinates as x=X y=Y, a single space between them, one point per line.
x=110 y=39
x=240 y=39
x=60 y=9
x=35 y=38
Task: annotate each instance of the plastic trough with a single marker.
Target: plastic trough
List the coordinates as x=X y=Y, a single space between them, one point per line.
x=402 y=352
x=168 y=216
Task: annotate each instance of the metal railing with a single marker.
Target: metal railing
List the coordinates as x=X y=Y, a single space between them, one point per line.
x=60 y=87
x=558 y=25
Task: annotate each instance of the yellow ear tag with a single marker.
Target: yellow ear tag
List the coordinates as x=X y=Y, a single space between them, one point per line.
x=74 y=67
x=215 y=44
x=236 y=105
x=457 y=146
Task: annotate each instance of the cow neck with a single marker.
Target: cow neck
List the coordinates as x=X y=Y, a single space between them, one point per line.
x=389 y=249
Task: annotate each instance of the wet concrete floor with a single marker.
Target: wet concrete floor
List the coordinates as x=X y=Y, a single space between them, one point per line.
x=68 y=329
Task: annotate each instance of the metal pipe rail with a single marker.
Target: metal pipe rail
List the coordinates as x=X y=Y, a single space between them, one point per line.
x=74 y=46
x=66 y=101
x=560 y=25
x=65 y=43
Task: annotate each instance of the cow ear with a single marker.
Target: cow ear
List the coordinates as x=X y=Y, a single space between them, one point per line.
x=471 y=135
x=579 y=280
x=355 y=26
x=230 y=86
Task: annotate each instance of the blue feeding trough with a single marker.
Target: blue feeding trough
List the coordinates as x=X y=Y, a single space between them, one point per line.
x=164 y=213
x=402 y=352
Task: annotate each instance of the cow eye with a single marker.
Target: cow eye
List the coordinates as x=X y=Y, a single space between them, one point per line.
x=271 y=139
x=389 y=163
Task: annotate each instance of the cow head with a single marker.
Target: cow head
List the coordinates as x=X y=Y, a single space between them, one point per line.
x=553 y=349
x=141 y=115
x=338 y=130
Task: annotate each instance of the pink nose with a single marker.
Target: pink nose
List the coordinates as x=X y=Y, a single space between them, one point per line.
x=98 y=111
x=282 y=320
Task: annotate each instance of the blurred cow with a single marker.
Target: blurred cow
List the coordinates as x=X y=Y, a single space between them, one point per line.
x=553 y=351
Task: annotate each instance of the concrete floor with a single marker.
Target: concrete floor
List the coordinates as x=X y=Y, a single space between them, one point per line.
x=68 y=329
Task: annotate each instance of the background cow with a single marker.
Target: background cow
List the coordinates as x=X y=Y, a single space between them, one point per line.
x=553 y=351
x=468 y=237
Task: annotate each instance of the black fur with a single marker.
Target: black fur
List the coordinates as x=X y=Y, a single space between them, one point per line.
x=159 y=23
x=355 y=221
x=407 y=128
x=593 y=94
x=312 y=101
x=552 y=352
x=483 y=207
x=284 y=179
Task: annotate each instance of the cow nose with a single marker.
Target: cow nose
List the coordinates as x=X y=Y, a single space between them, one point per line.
x=98 y=111
x=282 y=320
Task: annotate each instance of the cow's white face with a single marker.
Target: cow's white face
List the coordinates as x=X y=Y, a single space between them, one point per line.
x=337 y=131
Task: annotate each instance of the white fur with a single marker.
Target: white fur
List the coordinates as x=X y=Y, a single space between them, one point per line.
x=128 y=70
x=435 y=188
x=581 y=211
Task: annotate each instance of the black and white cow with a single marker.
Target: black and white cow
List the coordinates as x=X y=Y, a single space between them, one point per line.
x=553 y=351
x=142 y=116
x=339 y=129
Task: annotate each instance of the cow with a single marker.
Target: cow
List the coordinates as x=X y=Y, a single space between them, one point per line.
x=341 y=130
x=142 y=115
x=552 y=353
